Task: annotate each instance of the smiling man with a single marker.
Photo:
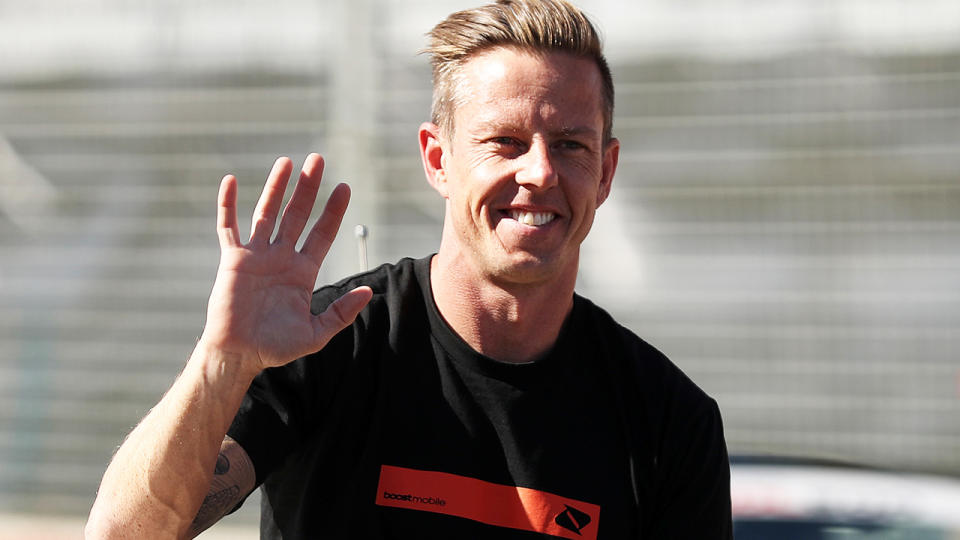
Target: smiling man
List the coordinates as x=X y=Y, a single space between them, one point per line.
x=523 y=166
x=471 y=394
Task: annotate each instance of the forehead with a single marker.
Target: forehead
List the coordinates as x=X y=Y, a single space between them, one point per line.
x=512 y=85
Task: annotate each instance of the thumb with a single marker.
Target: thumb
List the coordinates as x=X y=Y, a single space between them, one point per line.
x=340 y=314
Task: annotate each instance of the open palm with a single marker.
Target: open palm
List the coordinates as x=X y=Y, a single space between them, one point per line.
x=259 y=309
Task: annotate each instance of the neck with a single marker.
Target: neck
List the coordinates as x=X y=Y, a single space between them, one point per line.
x=507 y=322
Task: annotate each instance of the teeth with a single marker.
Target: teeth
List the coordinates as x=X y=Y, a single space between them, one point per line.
x=532 y=218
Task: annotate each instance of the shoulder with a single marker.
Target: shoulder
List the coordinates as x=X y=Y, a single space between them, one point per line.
x=396 y=312
x=633 y=357
x=661 y=401
x=387 y=282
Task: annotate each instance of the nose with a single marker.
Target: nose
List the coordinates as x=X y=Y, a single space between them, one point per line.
x=537 y=171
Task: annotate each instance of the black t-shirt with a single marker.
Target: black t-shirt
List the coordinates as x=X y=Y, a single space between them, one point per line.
x=398 y=429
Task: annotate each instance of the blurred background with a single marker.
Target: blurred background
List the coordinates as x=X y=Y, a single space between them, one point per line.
x=784 y=224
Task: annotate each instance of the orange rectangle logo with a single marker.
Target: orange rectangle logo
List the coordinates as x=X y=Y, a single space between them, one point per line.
x=494 y=504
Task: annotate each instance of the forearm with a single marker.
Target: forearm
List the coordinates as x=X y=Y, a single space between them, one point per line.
x=159 y=477
x=260 y=302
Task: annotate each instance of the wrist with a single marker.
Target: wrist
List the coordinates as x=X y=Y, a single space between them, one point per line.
x=218 y=363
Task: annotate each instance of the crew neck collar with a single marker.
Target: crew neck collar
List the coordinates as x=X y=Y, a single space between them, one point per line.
x=463 y=354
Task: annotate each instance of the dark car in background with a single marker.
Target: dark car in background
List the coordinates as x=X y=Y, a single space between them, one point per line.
x=791 y=499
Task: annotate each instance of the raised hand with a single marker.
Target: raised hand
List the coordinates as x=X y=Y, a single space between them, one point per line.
x=259 y=310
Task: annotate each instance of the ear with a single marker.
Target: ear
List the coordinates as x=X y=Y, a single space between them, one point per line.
x=611 y=155
x=431 y=153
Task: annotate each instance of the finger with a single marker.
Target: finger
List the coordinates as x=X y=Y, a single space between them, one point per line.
x=227 y=229
x=324 y=231
x=265 y=214
x=298 y=209
x=340 y=314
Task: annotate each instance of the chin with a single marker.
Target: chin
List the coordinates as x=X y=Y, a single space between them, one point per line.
x=529 y=268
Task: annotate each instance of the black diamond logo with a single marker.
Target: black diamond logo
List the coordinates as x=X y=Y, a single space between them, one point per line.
x=572 y=519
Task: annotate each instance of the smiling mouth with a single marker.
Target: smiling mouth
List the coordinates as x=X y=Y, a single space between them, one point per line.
x=534 y=219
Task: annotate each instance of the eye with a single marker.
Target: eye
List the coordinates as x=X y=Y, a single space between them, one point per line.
x=505 y=141
x=506 y=146
x=570 y=144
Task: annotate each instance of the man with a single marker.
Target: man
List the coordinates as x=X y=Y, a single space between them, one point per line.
x=470 y=394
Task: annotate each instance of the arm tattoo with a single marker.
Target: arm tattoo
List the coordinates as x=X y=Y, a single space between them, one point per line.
x=233 y=479
x=216 y=505
x=223 y=465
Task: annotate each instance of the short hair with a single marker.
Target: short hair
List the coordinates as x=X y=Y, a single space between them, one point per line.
x=542 y=26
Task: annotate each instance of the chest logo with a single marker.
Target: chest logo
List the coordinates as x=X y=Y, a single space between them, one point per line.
x=501 y=505
x=572 y=519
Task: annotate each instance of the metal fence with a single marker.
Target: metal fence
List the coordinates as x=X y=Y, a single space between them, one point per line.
x=785 y=228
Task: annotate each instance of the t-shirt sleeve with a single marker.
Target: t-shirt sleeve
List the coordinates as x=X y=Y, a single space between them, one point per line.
x=693 y=500
x=285 y=405
x=266 y=423
x=682 y=477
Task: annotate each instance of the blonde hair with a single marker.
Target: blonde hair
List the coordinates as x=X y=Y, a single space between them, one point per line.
x=540 y=26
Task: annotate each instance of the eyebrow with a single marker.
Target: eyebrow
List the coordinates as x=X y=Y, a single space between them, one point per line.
x=565 y=131
x=576 y=131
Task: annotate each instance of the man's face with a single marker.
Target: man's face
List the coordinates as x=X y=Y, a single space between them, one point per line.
x=526 y=166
